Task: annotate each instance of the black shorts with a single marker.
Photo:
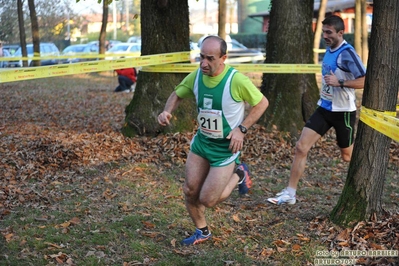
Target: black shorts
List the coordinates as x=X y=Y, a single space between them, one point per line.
x=343 y=122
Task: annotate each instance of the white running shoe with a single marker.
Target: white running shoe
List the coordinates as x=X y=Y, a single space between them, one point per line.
x=283 y=197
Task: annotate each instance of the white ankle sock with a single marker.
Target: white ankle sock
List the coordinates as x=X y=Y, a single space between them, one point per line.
x=291 y=191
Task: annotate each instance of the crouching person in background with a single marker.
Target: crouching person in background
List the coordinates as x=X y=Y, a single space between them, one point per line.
x=127 y=78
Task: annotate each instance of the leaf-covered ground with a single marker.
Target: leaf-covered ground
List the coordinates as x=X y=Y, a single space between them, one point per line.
x=67 y=131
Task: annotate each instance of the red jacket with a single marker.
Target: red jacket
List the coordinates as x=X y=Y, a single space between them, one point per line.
x=128 y=72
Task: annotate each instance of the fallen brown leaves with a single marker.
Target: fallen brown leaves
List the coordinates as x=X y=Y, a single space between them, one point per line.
x=56 y=139
x=375 y=235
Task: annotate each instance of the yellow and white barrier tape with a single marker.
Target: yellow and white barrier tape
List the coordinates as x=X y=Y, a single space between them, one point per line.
x=18 y=74
x=264 y=68
x=384 y=122
x=78 y=55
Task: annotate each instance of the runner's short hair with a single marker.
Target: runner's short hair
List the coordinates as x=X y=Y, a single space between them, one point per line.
x=223 y=44
x=335 y=21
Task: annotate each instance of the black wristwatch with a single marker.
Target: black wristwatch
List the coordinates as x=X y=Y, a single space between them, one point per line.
x=243 y=129
x=341 y=83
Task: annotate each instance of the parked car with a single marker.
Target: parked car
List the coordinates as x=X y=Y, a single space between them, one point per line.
x=134 y=39
x=133 y=49
x=239 y=53
x=108 y=43
x=5 y=63
x=194 y=51
x=10 y=48
x=47 y=49
x=111 y=43
x=78 y=50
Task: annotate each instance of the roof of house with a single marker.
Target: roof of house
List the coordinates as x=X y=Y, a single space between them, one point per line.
x=332 y=6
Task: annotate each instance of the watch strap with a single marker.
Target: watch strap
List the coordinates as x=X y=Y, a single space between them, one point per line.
x=341 y=83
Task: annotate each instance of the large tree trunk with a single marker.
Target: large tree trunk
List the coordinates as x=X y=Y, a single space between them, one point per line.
x=292 y=97
x=35 y=32
x=165 y=29
x=319 y=26
x=361 y=195
x=103 y=31
x=22 y=35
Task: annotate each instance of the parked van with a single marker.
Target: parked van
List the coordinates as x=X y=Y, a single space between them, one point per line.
x=46 y=49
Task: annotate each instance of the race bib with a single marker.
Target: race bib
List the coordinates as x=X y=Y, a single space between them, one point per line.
x=326 y=92
x=211 y=123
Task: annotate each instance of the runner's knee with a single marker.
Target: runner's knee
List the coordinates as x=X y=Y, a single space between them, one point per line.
x=300 y=149
x=190 y=193
x=207 y=202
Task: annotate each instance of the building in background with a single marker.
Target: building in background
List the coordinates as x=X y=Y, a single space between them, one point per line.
x=343 y=8
x=247 y=23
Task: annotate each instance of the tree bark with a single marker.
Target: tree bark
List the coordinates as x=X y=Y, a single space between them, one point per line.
x=22 y=35
x=165 y=29
x=361 y=195
x=292 y=97
x=103 y=31
x=35 y=32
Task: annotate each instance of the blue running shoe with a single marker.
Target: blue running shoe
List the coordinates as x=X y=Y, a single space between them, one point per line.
x=196 y=238
x=246 y=183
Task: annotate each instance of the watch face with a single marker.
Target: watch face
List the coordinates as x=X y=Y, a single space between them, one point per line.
x=243 y=129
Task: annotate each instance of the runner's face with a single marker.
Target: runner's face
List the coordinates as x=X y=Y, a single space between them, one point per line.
x=331 y=36
x=211 y=63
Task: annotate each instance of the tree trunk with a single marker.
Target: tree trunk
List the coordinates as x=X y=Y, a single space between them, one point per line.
x=361 y=195
x=319 y=26
x=292 y=97
x=165 y=29
x=35 y=32
x=365 y=33
x=103 y=31
x=22 y=35
x=222 y=19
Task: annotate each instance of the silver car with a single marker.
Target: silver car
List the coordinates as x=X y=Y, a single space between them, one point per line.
x=73 y=53
x=46 y=50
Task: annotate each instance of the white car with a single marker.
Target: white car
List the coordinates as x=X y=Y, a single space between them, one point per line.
x=122 y=50
x=134 y=39
x=194 y=51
